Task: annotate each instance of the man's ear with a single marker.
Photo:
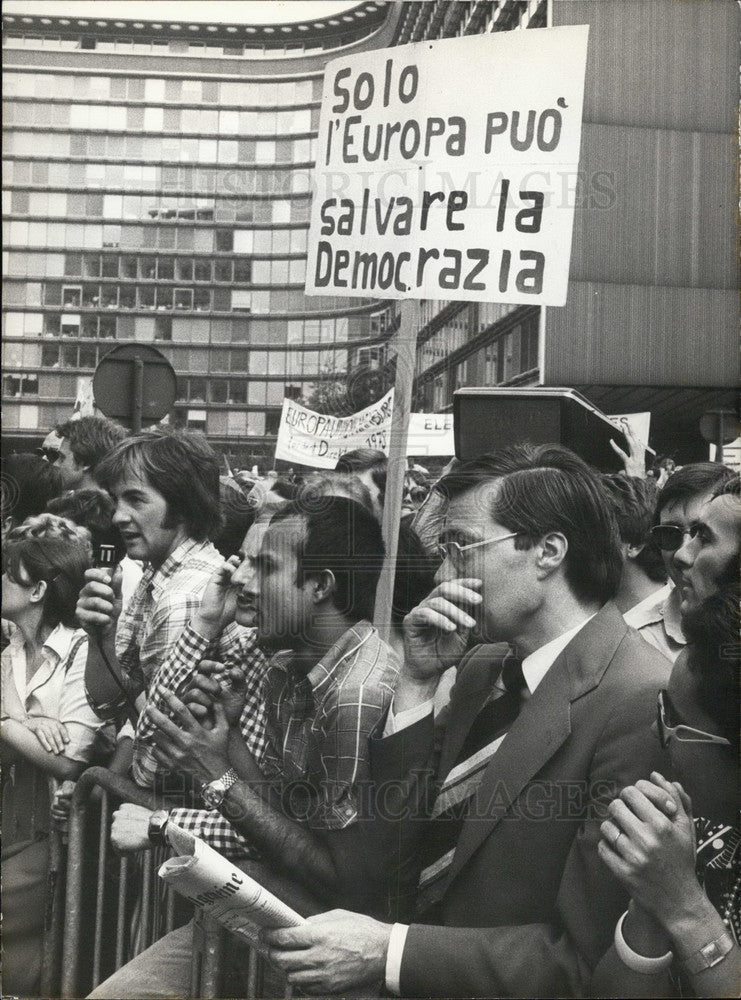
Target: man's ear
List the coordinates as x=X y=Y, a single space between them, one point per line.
x=551 y=552
x=323 y=585
x=38 y=592
x=633 y=551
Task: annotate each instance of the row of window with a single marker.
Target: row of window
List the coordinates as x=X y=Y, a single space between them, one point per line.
x=176 y=47
x=197 y=330
x=41 y=416
x=162 y=149
x=177 y=236
x=201 y=121
x=256 y=364
x=154 y=296
x=511 y=354
x=240 y=270
x=154 y=90
x=135 y=207
x=143 y=177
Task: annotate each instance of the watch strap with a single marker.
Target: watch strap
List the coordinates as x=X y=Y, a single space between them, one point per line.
x=709 y=955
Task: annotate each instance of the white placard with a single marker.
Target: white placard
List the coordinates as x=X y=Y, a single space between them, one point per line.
x=639 y=423
x=428 y=188
x=315 y=439
x=311 y=438
x=430 y=434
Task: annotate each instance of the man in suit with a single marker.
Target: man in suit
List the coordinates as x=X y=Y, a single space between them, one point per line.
x=537 y=740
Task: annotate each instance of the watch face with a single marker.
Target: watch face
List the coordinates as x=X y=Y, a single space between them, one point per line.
x=213 y=793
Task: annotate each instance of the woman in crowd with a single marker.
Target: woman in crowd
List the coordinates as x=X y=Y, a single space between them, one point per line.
x=681 y=933
x=48 y=730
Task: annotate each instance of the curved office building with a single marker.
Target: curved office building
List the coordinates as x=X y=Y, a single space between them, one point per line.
x=157 y=184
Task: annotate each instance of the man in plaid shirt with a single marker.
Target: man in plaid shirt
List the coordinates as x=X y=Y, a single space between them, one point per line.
x=296 y=799
x=166 y=489
x=304 y=725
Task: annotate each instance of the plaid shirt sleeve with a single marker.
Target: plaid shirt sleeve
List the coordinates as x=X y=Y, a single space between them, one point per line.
x=213 y=829
x=236 y=647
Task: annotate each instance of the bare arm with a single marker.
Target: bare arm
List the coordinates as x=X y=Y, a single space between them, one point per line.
x=21 y=740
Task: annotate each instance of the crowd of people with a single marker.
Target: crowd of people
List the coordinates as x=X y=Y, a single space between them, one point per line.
x=525 y=783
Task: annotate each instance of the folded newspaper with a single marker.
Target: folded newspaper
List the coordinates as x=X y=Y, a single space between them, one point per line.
x=227 y=894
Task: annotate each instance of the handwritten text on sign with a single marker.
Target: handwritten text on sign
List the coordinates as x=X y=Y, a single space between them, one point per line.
x=315 y=439
x=441 y=169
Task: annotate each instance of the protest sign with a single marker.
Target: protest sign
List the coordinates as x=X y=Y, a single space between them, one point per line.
x=638 y=423
x=317 y=439
x=430 y=434
x=424 y=190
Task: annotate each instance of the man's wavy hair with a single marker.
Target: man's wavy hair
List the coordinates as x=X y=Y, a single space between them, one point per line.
x=634 y=502
x=181 y=466
x=544 y=488
x=55 y=550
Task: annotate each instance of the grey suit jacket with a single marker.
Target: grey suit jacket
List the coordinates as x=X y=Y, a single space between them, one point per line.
x=529 y=907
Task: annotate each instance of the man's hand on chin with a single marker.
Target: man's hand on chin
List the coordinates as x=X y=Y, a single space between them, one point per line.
x=334 y=952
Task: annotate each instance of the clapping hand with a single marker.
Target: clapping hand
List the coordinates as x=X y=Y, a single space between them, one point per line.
x=184 y=745
x=219 y=600
x=204 y=691
x=648 y=843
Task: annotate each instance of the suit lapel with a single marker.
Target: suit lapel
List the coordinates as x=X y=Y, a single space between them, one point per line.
x=542 y=726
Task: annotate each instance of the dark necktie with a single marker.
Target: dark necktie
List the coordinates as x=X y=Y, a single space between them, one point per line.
x=453 y=800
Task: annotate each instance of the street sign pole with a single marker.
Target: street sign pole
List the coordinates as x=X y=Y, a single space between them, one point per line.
x=138 y=394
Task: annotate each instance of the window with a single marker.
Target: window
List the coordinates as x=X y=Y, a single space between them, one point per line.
x=71 y=296
x=218 y=391
x=184 y=298
x=224 y=240
x=162 y=328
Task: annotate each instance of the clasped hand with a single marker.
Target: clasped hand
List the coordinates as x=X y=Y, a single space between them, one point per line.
x=184 y=745
x=648 y=843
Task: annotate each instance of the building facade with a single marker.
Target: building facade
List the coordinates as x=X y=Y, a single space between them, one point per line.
x=652 y=315
x=157 y=182
x=157 y=189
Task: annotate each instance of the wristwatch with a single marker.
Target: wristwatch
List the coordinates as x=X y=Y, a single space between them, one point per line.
x=157 y=830
x=213 y=792
x=709 y=955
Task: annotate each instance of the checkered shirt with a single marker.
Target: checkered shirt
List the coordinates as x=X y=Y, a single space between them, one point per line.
x=318 y=726
x=235 y=647
x=164 y=601
x=318 y=729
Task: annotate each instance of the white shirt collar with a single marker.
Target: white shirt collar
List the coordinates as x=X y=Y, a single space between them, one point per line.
x=537 y=664
x=647 y=610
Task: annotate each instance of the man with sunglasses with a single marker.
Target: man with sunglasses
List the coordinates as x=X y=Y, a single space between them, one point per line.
x=677 y=848
x=686 y=493
x=549 y=718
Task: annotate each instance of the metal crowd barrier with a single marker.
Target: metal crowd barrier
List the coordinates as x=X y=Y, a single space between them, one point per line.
x=129 y=898
x=126 y=885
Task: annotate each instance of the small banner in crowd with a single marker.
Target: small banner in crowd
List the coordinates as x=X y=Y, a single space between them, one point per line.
x=315 y=439
x=427 y=190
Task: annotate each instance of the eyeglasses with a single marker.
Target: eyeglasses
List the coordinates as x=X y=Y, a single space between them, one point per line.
x=454 y=551
x=665 y=715
x=670 y=537
x=50 y=454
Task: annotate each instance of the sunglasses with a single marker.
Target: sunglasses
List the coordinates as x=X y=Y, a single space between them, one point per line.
x=669 y=729
x=416 y=492
x=50 y=454
x=670 y=537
